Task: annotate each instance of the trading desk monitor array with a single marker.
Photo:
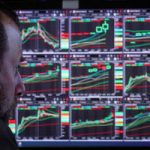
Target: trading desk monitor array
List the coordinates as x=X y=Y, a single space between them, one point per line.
x=87 y=77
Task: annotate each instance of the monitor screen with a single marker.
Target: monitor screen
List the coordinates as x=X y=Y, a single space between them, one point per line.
x=87 y=78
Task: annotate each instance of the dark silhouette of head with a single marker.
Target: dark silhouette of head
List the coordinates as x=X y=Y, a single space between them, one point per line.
x=10 y=54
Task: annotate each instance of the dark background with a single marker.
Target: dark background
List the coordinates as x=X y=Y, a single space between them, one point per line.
x=83 y=4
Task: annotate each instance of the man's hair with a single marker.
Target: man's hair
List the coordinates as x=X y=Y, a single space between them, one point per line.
x=3 y=37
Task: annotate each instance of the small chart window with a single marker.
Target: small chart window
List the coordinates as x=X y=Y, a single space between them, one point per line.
x=41 y=77
x=38 y=122
x=92 y=33
x=137 y=77
x=137 y=125
x=92 y=78
x=137 y=33
x=40 y=34
x=92 y=121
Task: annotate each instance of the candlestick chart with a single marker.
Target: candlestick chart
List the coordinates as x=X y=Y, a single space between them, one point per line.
x=88 y=33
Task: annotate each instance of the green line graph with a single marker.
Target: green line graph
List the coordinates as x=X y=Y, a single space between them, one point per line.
x=41 y=77
x=95 y=36
x=40 y=116
x=39 y=30
x=137 y=80
x=107 y=121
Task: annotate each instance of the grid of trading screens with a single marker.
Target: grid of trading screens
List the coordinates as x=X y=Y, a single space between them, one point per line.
x=87 y=76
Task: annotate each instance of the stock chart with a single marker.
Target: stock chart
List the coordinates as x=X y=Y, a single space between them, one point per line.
x=92 y=121
x=137 y=79
x=92 y=78
x=38 y=121
x=41 y=77
x=137 y=121
x=40 y=34
x=137 y=33
x=92 y=33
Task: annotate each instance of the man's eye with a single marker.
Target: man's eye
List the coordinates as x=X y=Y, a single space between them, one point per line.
x=17 y=70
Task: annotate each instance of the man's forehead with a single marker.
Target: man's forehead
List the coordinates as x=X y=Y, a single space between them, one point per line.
x=14 y=41
x=14 y=53
x=6 y=19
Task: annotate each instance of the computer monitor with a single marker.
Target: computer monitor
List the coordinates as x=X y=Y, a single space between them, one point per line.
x=87 y=78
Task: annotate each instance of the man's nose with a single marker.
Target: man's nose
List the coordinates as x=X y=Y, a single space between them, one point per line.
x=20 y=88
